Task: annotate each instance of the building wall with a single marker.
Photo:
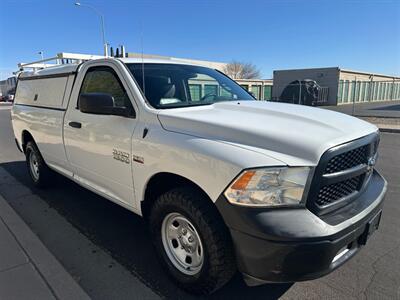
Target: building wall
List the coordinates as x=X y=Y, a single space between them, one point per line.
x=3 y=88
x=8 y=85
x=210 y=64
x=344 y=86
x=364 y=87
x=325 y=77
x=261 y=88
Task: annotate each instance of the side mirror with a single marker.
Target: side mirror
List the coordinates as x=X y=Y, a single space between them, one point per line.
x=101 y=104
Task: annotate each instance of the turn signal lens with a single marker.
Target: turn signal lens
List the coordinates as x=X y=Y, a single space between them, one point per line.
x=242 y=182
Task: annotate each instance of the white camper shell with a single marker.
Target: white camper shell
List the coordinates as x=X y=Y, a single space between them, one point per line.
x=51 y=84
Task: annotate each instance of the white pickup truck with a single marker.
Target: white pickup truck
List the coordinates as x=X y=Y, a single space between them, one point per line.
x=279 y=192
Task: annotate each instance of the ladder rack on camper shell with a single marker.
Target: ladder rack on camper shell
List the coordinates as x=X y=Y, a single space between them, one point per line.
x=62 y=58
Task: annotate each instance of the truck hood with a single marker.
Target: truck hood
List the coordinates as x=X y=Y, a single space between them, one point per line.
x=293 y=134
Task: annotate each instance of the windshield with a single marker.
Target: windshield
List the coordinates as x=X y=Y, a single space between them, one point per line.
x=174 y=85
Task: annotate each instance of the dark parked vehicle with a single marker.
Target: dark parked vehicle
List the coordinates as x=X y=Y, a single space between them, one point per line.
x=9 y=98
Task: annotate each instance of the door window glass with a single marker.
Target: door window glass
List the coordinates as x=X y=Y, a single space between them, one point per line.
x=105 y=80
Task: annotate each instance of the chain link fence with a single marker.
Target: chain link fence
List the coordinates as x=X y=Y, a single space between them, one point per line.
x=309 y=92
x=304 y=92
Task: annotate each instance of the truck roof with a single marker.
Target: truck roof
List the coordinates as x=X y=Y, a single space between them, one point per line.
x=157 y=61
x=72 y=67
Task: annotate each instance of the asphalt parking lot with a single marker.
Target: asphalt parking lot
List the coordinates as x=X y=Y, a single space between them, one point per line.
x=108 y=252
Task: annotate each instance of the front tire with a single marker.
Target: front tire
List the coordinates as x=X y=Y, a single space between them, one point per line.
x=192 y=241
x=38 y=170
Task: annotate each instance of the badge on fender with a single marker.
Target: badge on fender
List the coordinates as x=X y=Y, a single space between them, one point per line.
x=121 y=156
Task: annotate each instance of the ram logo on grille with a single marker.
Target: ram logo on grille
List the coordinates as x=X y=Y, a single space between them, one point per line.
x=371 y=162
x=342 y=174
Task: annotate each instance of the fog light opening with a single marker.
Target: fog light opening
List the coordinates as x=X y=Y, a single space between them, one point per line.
x=342 y=252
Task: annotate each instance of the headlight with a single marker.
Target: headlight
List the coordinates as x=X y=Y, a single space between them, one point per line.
x=269 y=187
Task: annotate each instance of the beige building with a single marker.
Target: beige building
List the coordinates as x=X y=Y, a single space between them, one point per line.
x=210 y=64
x=337 y=86
x=260 y=88
x=8 y=85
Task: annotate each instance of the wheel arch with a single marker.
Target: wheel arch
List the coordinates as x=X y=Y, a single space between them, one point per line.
x=26 y=137
x=162 y=182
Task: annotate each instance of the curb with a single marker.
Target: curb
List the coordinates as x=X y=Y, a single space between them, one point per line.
x=57 y=278
x=390 y=130
x=374 y=116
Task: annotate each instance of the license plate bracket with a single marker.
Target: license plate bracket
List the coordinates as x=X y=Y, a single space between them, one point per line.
x=370 y=228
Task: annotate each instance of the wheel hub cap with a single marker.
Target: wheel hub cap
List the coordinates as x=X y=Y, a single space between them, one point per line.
x=182 y=244
x=34 y=165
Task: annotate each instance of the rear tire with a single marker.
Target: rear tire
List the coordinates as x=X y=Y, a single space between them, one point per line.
x=192 y=241
x=37 y=168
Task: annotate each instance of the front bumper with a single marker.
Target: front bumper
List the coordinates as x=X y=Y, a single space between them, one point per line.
x=288 y=245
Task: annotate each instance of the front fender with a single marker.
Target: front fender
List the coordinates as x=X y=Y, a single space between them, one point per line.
x=211 y=164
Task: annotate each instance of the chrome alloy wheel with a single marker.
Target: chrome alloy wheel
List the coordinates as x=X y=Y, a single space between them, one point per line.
x=182 y=244
x=34 y=165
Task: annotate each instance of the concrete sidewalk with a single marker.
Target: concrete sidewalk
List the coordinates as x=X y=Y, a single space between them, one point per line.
x=27 y=269
x=5 y=105
x=384 y=124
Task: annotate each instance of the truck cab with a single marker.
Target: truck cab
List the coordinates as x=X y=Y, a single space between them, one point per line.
x=279 y=192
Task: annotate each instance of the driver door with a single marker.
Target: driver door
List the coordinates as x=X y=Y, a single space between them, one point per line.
x=98 y=146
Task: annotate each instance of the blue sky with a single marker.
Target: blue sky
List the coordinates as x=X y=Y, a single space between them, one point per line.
x=360 y=35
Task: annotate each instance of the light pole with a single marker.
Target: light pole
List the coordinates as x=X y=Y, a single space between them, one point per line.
x=105 y=46
x=41 y=54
